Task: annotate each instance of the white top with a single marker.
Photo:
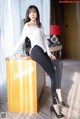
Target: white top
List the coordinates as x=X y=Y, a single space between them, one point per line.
x=36 y=36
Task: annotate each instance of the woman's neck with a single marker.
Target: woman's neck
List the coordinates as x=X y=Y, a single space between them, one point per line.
x=33 y=23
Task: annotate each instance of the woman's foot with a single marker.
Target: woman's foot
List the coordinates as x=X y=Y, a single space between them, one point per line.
x=58 y=91
x=55 y=108
x=59 y=98
x=63 y=104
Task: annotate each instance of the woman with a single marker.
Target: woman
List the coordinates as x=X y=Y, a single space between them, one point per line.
x=39 y=50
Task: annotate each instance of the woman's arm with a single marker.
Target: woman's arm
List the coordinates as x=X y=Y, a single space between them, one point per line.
x=46 y=45
x=48 y=51
x=45 y=42
x=21 y=41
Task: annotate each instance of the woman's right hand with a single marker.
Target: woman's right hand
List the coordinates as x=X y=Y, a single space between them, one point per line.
x=52 y=57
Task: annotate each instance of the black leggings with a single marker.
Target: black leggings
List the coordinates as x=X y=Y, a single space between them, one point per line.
x=58 y=66
x=38 y=55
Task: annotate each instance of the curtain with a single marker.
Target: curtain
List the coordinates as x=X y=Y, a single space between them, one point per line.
x=9 y=34
x=12 y=13
x=2 y=49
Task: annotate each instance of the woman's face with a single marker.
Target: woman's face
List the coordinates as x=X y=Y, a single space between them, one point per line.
x=32 y=14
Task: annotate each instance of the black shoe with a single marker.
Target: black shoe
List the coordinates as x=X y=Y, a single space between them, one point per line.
x=57 y=115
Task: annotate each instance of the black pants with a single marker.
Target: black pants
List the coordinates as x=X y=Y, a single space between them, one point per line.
x=38 y=55
x=58 y=66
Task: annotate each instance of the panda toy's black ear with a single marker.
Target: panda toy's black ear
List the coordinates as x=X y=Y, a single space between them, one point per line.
x=27 y=43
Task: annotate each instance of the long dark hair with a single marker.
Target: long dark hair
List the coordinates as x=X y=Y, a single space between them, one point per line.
x=27 y=19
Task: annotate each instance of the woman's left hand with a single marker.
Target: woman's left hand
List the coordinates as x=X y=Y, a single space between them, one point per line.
x=52 y=57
